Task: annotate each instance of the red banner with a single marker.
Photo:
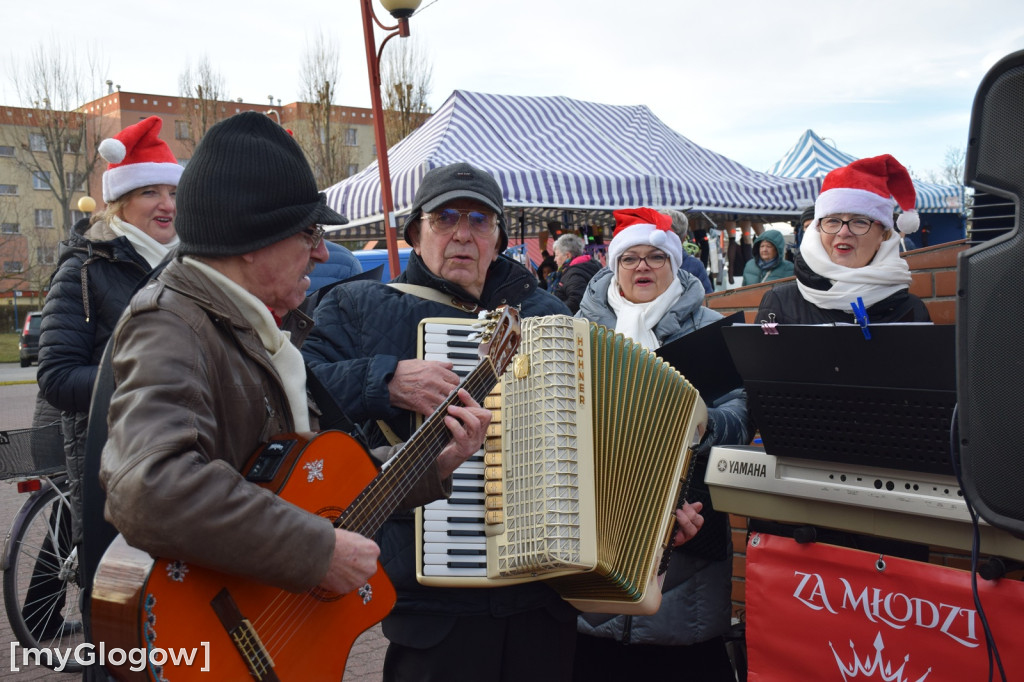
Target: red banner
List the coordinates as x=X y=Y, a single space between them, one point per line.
x=820 y=612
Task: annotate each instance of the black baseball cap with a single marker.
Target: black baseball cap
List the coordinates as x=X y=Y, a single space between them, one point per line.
x=459 y=181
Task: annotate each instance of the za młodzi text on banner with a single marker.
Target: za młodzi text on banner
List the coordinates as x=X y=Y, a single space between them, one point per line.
x=820 y=612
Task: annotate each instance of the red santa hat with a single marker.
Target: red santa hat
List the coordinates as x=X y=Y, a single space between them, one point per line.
x=865 y=187
x=647 y=227
x=137 y=157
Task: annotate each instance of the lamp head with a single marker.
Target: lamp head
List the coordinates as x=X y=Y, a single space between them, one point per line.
x=400 y=9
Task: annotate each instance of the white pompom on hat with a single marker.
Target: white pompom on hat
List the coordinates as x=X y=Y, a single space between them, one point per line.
x=644 y=227
x=137 y=158
x=864 y=187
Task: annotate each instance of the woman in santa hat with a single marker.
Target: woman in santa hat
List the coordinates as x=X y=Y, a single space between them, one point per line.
x=645 y=294
x=850 y=252
x=99 y=267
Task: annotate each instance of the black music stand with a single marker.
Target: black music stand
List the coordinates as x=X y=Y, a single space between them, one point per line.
x=703 y=358
x=882 y=402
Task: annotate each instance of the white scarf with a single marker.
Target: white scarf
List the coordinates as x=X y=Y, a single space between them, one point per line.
x=637 y=320
x=886 y=274
x=286 y=358
x=147 y=247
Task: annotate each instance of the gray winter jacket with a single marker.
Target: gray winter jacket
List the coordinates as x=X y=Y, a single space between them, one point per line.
x=697 y=592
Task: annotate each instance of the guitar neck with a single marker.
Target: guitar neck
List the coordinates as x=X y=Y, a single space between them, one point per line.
x=385 y=493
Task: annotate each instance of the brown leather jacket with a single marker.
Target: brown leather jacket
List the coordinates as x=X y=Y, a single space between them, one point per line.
x=196 y=395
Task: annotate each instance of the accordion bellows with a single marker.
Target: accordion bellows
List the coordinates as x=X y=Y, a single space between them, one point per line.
x=595 y=443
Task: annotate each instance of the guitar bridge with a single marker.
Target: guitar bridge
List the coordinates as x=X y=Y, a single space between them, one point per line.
x=245 y=637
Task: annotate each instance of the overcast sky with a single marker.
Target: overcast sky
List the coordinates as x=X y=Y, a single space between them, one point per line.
x=743 y=78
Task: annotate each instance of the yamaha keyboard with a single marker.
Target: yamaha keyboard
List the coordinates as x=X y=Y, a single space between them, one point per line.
x=916 y=507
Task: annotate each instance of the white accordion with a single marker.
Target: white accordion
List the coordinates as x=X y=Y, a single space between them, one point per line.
x=580 y=476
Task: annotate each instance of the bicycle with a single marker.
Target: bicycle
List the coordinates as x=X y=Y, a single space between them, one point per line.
x=41 y=588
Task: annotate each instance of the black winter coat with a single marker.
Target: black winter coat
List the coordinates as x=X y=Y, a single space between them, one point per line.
x=790 y=307
x=574 y=279
x=97 y=274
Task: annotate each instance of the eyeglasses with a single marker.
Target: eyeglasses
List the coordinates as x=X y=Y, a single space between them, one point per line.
x=446 y=220
x=313 y=236
x=654 y=261
x=858 y=226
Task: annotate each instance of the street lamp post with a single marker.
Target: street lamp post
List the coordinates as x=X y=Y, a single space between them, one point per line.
x=400 y=10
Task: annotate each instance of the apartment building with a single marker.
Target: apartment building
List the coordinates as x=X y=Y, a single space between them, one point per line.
x=32 y=219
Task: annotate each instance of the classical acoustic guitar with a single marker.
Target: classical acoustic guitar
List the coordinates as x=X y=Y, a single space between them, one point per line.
x=199 y=624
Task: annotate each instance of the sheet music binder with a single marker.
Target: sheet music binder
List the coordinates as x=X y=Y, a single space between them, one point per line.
x=703 y=358
x=827 y=393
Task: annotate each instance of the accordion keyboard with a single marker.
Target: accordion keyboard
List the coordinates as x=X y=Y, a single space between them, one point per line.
x=454 y=541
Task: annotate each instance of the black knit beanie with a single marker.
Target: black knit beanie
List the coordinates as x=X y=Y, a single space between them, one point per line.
x=247 y=186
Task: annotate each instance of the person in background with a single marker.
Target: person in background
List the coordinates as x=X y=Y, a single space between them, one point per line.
x=646 y=295
x=806 y=217
x=545 y=270
x=204 y=376
x=851 y=251
x=575 y=270
x=340 y=265
x=99 y=268
x=364 y=351
x=692 y=264
x=768 y=262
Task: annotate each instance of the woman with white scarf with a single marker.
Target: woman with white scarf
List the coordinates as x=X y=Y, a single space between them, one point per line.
x=645 y=295
x=850 y=253
x=99 y=267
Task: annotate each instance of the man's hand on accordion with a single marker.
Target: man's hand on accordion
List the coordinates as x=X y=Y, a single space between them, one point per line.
x=689 y=522
x=468 y=426
x=421 y=385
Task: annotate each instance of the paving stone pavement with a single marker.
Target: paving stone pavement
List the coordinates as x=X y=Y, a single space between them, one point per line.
x=365 y=661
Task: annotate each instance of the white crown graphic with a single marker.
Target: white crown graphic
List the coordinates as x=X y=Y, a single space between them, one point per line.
x=874 y=667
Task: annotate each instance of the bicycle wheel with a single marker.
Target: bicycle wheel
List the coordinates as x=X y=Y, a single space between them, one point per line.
x=41 y=584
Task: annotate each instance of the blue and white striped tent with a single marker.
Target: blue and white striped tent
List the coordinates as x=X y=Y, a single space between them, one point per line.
x=555 y=155
x=812 y=157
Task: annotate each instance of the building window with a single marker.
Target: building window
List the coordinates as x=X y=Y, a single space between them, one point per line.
x=351 y=139
x=71 y=177
x=37 y=142
x=352 y=169
x=77 y=215
x=40 y=179
x=10 y=228
x=12 y=266
x=46 y=255
x=181 y=130
x=6 y=150
x=9 y=190
x=44 y=217
x=73 y=145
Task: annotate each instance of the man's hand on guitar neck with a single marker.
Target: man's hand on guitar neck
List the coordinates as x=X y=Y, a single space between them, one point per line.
x=468 y=426
x=421 y=385
x=353 y=562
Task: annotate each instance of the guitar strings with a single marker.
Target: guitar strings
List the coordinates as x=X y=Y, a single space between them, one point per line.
x=283 y=616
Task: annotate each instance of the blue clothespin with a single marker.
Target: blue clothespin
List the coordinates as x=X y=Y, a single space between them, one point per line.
x=860 y=313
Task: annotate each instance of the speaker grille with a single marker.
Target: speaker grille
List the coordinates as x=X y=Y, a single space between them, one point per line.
x=990 y=312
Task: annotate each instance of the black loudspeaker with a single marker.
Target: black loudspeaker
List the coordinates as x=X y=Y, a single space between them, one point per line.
x=990 y=304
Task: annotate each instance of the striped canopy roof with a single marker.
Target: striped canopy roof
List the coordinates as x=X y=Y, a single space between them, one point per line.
x=555 y=155
x=812 y=157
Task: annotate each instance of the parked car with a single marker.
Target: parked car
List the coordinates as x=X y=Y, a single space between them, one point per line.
x=28 y=342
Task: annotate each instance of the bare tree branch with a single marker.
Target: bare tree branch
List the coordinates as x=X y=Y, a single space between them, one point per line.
x=61 y=149
x=405 y=76
x=324 y=140
x=202 y=89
